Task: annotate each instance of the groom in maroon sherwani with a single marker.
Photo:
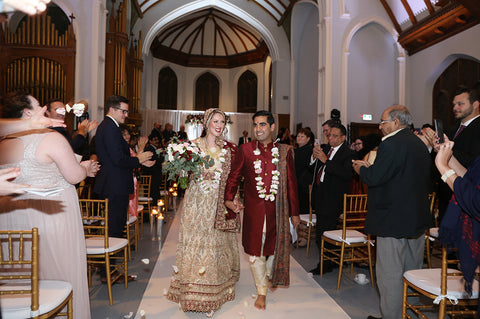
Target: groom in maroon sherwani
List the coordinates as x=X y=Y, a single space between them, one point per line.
x=270 y=200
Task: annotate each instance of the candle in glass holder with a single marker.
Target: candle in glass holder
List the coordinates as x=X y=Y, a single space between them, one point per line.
x=160 y=203
x=170 y=189
x=175 y=185
x=175 y=194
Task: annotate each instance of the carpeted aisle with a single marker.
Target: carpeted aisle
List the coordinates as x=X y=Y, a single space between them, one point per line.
x=303 y=299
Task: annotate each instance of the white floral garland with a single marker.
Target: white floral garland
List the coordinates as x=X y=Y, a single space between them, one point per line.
x=208 y=187
x=257 y=164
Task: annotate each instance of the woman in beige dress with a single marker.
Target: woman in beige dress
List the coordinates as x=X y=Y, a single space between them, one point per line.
x=207 y=261
x=46 y=160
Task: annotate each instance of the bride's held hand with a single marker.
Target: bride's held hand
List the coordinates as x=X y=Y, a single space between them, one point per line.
x=234 y=205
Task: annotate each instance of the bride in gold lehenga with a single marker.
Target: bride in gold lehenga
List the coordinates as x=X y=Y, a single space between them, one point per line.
x=207 y=262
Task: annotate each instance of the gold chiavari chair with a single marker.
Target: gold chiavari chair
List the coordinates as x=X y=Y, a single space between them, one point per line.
x=445 y=286
x=431 y=234
x=132 y=232
x=144 y=199
x=349 y=242
x=23 y=295
x=101 y=249
x=308 y=222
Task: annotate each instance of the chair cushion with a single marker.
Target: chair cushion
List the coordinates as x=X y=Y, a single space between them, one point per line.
x=429 y=280
x=352 y=236
x=139 y=208
x=145 y=199
x=163 y=193
x=51 y=294
x=306 y=218
x=131 y=220
x=95 y=245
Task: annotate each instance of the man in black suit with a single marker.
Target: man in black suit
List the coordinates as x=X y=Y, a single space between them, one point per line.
x=244 y=139
x=398 y=211
x=466 y=136
x=333 y=171
x=115 y=178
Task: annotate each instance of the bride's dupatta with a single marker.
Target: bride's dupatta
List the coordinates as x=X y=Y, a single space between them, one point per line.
x=226 y=219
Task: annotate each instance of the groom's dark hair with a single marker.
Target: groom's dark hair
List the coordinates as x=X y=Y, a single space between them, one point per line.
x=270 y=118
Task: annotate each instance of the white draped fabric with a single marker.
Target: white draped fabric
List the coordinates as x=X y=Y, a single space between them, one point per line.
x=241 y=122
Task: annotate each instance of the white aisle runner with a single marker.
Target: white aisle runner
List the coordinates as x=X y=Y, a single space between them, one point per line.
x=303 y=299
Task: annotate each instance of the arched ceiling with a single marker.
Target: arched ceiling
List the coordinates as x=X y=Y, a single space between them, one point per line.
x=214 y=38
x=209 y=37
x=275 y=8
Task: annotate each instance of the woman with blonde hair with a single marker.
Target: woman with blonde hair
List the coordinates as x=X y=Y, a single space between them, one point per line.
x=207 y=261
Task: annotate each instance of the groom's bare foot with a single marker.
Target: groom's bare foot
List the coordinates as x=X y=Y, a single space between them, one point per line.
x=261 y=301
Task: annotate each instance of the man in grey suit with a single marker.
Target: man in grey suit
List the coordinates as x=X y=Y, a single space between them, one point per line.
x=398 y=212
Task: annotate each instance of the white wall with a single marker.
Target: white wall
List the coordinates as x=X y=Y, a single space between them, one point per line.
x=371 y=73
x=305 y=56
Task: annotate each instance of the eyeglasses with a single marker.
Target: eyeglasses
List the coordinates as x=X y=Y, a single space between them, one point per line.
x=123 y=111
x=384 y=121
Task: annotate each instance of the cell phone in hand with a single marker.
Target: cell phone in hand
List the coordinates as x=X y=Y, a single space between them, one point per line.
x=439 y=130
x=317 y=141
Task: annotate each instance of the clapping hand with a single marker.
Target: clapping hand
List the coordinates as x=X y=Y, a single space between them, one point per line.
x=86 y=126
x=142 y=142
x=91 y=167
x=444 y=153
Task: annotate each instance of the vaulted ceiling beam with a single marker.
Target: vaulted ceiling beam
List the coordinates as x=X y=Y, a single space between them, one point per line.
x=391 y=15
x=430 y=8
x=411 y=15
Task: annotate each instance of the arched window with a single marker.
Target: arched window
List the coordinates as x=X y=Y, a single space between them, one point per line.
x=167 y=89
x=207 y=91
x=247 y=93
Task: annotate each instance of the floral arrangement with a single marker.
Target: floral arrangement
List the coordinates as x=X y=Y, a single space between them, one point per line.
x=78 y=109
x=194 y=119
x=184 y=159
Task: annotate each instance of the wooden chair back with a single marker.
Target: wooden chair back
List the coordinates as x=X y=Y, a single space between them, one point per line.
x=355 y=208
x=95 y=218
x=19 y=250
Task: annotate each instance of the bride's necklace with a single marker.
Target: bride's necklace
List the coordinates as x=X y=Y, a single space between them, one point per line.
x=257 y=164
x=212 y=151
x=207 y=187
